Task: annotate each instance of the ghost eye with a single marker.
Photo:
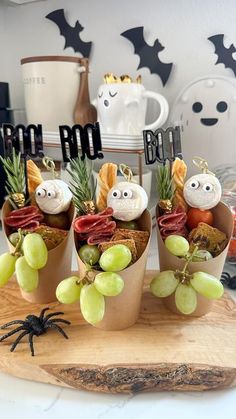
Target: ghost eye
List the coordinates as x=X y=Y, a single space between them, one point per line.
x=100 y=95
x=197 y=107
x=207 y=187
x=116 y=194
x=221 y=106
x=127 y=193
x=112 y=95
x=51 y=194
x=41 y=193
x=194 y=184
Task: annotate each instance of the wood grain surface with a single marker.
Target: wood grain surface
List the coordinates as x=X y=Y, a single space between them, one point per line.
x=163 y=351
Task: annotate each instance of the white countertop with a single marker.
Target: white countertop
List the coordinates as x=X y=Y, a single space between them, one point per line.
x=30 y=400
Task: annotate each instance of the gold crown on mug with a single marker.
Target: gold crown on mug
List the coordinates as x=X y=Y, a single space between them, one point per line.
x=110 y=78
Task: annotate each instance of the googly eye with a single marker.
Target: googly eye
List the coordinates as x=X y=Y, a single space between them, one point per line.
x=207 y=187
x=194 y=184
x=127 y=193
x=116 y=194
x=51 y=194
x=41 y=193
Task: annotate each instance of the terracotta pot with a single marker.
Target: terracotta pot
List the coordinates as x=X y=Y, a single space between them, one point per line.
x=223 y=220
x=123 y=311
x=58 y=266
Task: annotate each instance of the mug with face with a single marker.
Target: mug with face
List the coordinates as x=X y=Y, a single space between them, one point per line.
x=122 y=108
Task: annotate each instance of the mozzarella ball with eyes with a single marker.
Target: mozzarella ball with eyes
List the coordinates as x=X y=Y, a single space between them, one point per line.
x=53 y=196
x=202 y=191
x=128 y=201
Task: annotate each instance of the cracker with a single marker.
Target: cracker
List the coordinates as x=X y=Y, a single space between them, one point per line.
x=208 y=238
x=140 y=238
x=52 y=236
x=130 y=243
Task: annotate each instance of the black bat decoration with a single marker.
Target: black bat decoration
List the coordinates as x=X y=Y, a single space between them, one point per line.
x=225 y=55
x=71 y=34
x=148 y=54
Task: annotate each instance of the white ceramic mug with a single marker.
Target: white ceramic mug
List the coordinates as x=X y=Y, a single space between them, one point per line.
x=122 y=108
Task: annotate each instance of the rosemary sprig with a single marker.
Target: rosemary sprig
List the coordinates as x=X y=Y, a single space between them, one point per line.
x=164 y=182
x=80 y=184
x=14 y=169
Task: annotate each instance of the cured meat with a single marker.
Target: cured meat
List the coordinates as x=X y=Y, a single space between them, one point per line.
x=99 y=238
x=27 y=217
x=173 y=223
x=95 y=228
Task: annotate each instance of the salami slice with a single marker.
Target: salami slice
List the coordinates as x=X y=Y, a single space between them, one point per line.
x=173 y=223
x=95 y=228
x=27 y=217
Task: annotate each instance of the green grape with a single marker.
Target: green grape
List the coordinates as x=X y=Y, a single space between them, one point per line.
x=207 y=285
x=89 y=254
x=14 y=238
x=109 y=284
x=92 y=304
x=7 y=267
x=26 y=276
x=201 y=256
x=177 y=245
x=68 y=291
x=164 y=284
x=116 y=258
x=35 y=251
x=185 y=298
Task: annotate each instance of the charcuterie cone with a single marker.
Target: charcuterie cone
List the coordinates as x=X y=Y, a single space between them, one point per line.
x=223 y=220
x=122 y=311
x=57 y=268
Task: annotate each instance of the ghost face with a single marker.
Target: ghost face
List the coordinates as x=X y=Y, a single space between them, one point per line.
x=206 y=112
x=128 y=201
x=121 y=108
x=221 y=107
x=53 y=196
x=202 y=191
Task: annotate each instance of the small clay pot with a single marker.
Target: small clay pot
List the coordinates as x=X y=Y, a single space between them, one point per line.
x=223 y=220
x=58 y=266
x=123 y=311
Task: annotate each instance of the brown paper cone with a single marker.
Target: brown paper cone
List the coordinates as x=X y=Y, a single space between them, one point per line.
x=223 y=220
x=58 y=266
x=122 y=311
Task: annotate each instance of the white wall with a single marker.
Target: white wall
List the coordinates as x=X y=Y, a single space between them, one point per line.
x=182 y=26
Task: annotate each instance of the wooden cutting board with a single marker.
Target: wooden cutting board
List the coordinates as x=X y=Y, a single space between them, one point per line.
x=163 y=351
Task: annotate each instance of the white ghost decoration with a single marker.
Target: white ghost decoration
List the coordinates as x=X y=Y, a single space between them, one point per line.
x=53 y=196
x=205 y=110
x=128 y=201
x=202 y=191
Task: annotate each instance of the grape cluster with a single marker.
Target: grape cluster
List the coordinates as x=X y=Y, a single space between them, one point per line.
x=30 y=255
x=91 y=291
x=185 y=285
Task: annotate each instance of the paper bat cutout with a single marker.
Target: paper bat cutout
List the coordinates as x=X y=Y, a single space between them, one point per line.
x=71 y=34
x=225 y=55
x=148 y=54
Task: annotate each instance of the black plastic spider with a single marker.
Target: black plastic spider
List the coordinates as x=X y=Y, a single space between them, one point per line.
x=34 y=326
x=228 y=280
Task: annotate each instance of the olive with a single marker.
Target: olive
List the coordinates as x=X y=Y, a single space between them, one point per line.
x=89 y=254
x=130 y=225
